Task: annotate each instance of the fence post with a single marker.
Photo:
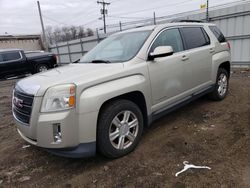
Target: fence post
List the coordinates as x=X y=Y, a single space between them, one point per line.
x=97 y=34
x=81 y=46
x=69 y=52
x=58 y=54
x=120 y=24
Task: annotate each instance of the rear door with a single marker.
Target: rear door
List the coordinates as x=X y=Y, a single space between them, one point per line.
x=197 y=60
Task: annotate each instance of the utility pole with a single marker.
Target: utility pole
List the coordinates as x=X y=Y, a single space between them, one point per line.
x=207 y=17
x=41 y=20
x=154 y=19
x=104 y=11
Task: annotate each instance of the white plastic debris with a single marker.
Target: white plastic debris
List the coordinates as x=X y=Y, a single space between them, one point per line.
x=24 y=178
x=188 y=166
x=25 y=146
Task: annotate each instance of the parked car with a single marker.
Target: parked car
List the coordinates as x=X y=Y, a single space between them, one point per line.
x=104 y=102
x=15 y=62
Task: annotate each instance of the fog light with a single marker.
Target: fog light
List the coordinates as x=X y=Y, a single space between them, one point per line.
x=57 y=132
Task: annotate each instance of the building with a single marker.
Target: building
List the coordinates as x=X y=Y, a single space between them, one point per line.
x=24 y=42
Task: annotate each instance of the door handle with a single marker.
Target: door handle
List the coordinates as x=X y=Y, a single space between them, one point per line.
x=184 y=58
x=211 y=50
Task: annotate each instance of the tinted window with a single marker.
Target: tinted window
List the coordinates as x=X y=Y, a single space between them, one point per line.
x=1 y=58
x=194 y=37
x=170 y=37
x=217 y=33
x=11 y=56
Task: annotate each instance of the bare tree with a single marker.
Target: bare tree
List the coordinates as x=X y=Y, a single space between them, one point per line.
x=73 y=31
x=49 y=34
x=90 y=32
x=66 y=33
x=81 y=32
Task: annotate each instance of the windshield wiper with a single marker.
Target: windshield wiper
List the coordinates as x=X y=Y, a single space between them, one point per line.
x=100 y=61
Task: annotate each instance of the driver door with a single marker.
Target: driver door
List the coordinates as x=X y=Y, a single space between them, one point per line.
x=167 y=73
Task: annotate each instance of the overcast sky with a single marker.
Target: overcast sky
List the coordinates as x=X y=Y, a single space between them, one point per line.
x=21 y=16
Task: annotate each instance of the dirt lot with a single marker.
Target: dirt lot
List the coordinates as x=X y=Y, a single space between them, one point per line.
x=216 y=134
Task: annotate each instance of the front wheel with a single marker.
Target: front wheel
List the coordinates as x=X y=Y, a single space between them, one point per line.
x=120 y=127
x=221 y=86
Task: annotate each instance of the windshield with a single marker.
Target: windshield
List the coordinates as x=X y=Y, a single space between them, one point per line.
x=117 y=48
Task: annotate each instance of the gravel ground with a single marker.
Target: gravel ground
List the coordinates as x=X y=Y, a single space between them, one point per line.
x=215 y=134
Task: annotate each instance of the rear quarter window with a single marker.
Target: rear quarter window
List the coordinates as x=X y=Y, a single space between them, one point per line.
x=11 y=56
x=195 y=37
x=218 y=34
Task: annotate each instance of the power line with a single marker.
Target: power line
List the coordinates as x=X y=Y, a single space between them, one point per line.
x=81 y=13
x=115 y=1
x=104 y=11
x=53 y=20
x=153 y=8
x=124 y=17
x=90 y=22
x=169 y=17
x=61 y=23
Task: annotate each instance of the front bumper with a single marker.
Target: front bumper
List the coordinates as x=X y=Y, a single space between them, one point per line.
x=80 y=151
x=76 y=141
x=41 y=129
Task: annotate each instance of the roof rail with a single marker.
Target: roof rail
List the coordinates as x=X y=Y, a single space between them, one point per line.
x=196 y=21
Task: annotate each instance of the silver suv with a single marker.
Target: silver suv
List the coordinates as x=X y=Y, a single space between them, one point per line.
x=120 y=87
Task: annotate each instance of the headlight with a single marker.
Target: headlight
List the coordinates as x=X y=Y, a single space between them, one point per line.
x=57 y=98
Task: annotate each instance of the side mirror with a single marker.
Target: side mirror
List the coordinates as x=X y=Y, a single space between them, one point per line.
x=161 y=51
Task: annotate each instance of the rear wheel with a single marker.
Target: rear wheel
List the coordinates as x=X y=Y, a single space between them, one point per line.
x=221 y=86
x=120 y=127
x=41 y=68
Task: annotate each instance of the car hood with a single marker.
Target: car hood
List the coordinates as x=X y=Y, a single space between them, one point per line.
x=79 y=74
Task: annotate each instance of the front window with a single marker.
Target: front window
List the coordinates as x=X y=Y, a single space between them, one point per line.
x=170 y=37
x=117 y=48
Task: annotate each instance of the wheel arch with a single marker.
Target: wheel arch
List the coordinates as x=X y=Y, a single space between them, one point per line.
x=226 y=65
x=136 y=97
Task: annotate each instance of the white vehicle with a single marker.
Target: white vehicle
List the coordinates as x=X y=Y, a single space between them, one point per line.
x=104 y=102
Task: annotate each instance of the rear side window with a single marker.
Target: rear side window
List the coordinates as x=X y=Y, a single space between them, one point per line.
x=194 y=37
x=1 y=58
x=170 y=37
x=219 y=35
x=10 y=56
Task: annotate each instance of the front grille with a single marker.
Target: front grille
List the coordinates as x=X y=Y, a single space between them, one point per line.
x=22 y=106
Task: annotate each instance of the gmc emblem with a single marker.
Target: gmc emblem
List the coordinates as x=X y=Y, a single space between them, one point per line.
x=17 y=102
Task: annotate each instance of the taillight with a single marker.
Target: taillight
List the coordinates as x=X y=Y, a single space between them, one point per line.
x=229 y=46
x=55 y=58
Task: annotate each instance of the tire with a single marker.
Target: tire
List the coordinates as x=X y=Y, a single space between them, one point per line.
x=221 y=86
x=114 y=136
x=41 y=68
